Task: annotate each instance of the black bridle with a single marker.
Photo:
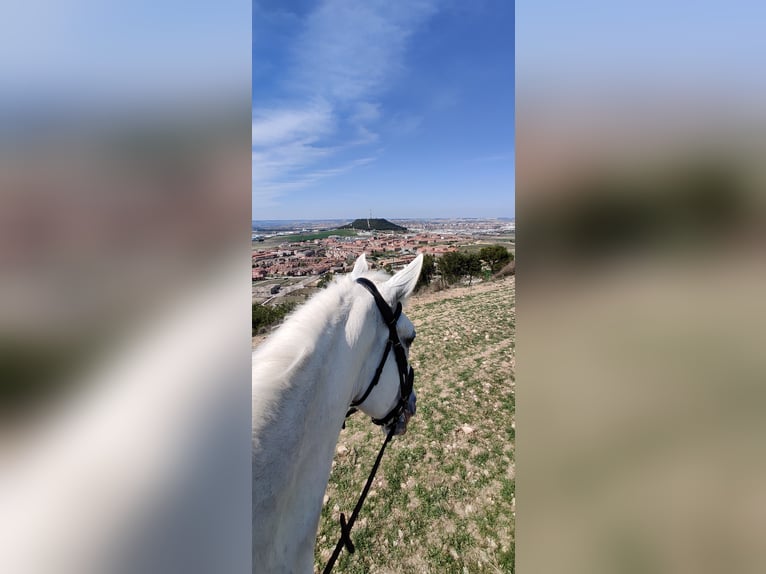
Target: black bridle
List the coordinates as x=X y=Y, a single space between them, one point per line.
x=406 y=379
x=406 y=372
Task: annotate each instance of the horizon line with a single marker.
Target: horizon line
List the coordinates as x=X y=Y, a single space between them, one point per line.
x=399 y=218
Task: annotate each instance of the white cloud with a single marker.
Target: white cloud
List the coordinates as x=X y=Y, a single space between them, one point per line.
x=276 y=126
x=351 y=49
x=283 y=161
x=265 y=195
x=286 y=142
x=348 y=54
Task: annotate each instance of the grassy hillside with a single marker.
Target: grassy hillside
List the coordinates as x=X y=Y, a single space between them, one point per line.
x=317 y=235
x=443 y=499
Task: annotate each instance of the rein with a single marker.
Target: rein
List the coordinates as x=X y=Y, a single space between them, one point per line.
x=406 y=379
x=345 y=527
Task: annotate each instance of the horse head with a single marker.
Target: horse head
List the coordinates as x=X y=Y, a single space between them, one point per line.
x=387 y=395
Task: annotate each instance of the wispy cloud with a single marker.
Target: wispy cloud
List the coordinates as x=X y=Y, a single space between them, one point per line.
x=345 y=58
x=277 y=126
x=266 y=194
x=365 y=112
x=287 y=141
x=351 y=49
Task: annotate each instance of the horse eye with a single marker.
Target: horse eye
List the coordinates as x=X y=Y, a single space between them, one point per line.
x=408 y=340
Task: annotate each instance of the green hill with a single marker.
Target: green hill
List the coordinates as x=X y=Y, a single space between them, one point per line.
x=373 y=225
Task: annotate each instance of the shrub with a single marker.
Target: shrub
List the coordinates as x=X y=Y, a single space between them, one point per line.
x=426 y=272
x=325 y=280
x=471 y=266
x=265 y=316
x=451 y=267
x=455 y=265
x=495 y=256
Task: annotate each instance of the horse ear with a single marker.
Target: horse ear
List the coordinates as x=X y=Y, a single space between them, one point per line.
x=403 y=283
x=360 y=267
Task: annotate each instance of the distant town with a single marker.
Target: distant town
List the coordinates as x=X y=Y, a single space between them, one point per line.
x=290 y=258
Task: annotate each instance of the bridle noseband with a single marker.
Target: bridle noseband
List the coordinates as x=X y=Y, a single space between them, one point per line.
x=406 y=372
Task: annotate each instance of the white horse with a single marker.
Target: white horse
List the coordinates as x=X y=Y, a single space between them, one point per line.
x=305 y=376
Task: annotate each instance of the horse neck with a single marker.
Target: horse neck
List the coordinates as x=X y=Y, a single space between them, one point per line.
x=296 y=423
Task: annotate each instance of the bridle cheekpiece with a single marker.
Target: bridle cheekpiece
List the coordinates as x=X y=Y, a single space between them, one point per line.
x=406 y=372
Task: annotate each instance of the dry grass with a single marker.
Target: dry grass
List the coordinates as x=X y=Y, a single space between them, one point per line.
x=443 y=500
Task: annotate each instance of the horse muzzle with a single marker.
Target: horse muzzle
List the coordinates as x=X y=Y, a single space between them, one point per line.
x=407 y=414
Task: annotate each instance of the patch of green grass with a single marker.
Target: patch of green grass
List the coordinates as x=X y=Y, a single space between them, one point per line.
x=318 y=235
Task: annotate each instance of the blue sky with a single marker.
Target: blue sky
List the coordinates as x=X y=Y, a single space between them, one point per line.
x=402 y=108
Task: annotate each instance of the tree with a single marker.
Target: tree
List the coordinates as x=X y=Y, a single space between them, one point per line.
x=264 y=316
x=325 y=280
x=426 y=272
x=452 y=267
x=495 y=256
x=471 y=266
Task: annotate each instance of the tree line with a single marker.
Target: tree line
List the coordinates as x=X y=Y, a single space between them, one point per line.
x=455 y=266
x=264 y=316
x=452 y=267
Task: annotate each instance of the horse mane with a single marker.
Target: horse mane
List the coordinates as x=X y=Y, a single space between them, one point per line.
x=302 y=330
x=304 y=377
